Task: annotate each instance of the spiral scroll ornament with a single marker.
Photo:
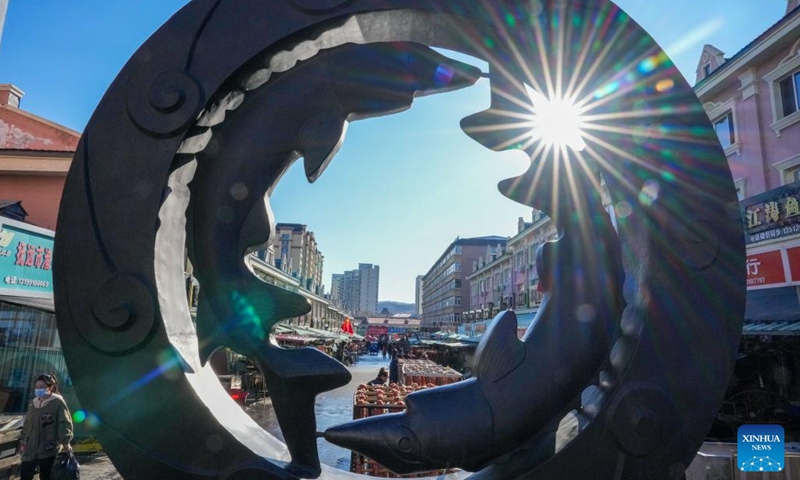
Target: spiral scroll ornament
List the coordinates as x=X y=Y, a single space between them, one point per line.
x=123 y=315
x=168 y=103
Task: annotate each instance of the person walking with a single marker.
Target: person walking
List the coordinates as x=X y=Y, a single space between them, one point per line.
x=394 y=367
x=47 y=430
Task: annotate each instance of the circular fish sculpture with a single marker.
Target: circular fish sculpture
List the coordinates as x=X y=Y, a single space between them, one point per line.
x=644 y=288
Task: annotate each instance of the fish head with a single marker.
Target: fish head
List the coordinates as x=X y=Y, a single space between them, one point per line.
x=387 y=439
x=430 y=435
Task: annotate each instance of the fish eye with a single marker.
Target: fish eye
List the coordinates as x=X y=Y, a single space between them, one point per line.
x=405 y=444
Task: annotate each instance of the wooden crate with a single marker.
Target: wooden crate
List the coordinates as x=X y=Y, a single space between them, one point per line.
x=426 y=373
x=366 y=404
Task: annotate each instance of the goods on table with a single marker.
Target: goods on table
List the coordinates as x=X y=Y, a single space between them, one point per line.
x=370 y=400
x=424 y=372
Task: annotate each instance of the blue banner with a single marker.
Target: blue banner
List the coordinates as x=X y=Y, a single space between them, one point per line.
x=26 y=260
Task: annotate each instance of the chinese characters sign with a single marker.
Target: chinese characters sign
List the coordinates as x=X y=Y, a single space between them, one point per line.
x=774 y=268
x=773 y=214
x=26 y=259
x=765 y=269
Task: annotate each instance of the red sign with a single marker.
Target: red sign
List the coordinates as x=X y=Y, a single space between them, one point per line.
x=377 y=330
x=765 y=269
x=794 y=263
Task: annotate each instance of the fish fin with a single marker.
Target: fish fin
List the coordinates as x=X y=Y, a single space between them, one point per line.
x=272 y=303
x=321 y=136
x=500 y=350
x=493 y=126
x=307 y=365
x=210 y=334
x=294 y=378
x=257 y=228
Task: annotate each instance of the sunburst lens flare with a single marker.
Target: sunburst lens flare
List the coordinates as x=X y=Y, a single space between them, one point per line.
x=557 y=122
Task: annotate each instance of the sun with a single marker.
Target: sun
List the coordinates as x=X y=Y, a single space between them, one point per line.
x=556 y=121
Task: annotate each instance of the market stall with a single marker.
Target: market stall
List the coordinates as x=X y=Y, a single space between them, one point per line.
x=371 y=400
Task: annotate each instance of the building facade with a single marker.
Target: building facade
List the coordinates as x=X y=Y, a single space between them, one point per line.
x=418 y=289
x=753 y=101
x=507 y=278
x=336 y=294
x=369 y=279
x=393 y=328
x=294 y=250
x=29 y=342
x=445 y=296
x=35 y=155
x=357 y=290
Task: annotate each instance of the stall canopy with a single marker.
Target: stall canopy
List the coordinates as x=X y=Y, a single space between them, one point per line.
x=524 y=320
x=772 y=311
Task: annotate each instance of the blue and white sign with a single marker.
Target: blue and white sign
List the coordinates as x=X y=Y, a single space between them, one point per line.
x=760 y=448
x=26 y=260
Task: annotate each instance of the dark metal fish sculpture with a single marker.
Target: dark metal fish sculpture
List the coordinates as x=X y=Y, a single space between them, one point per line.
x=518 y=386
x=229 y=213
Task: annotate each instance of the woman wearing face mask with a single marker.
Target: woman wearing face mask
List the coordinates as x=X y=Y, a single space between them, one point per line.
x=47 y=430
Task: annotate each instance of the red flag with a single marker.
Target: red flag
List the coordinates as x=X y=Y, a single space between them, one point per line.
x=347 y=327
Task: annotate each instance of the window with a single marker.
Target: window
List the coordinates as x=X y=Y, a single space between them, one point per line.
x=789 y=169
x=784 y=89
x=740 y=192
x=790 y=93
x=706 y=70
x=723 y=117
x=792 y=175
x=724 y=129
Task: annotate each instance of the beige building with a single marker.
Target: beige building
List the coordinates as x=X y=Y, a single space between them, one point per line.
x=294 y=251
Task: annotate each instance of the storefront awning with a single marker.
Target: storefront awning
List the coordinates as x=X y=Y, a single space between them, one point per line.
x=41 y=303
x=771 y=328
x=773 y=304
x=772 y=311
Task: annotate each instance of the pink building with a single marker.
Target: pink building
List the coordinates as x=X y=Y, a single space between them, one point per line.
x=507 y=278
x=753 y=101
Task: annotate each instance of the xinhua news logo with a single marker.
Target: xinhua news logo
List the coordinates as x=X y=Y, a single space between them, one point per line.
x=760 y=448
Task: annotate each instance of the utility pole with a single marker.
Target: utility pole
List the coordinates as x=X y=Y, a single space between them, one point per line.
x=3 y=9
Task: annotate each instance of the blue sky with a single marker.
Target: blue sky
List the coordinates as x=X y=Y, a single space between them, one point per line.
x=402 y=187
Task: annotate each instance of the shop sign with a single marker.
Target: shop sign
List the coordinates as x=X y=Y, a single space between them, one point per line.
x=377 y=330
x=26 y=259
x=772 y=214
x=765 y=269
x=794 y=263
x=397 y=330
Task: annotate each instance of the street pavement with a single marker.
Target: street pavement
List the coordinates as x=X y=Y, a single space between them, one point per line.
x=333 y=408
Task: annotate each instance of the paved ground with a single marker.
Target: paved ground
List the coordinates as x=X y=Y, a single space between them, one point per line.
x=333 y=408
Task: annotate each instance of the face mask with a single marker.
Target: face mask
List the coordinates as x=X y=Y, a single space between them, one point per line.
x=40 y=392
